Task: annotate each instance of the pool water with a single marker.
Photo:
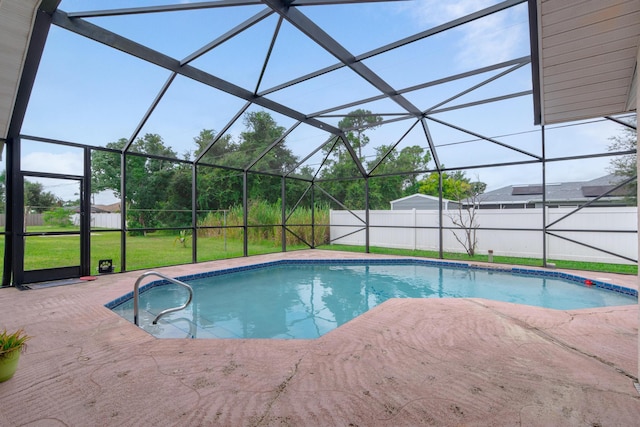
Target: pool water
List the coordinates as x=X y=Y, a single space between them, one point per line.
x=308 y=300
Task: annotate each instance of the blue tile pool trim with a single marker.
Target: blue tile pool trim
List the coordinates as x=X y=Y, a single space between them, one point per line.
x=517 y=271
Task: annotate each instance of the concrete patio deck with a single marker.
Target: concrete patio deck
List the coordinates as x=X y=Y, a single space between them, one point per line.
x=407 y=362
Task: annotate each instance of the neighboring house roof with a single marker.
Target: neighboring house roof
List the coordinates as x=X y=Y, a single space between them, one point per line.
x=571 y=192
x=113 y=207
x=419 y=200
x=416 y=196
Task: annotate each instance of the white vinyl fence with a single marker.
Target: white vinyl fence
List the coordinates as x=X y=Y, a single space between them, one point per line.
x=401 y=229
x=100 y=220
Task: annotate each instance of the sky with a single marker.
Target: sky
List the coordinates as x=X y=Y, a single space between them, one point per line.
x=88 y=93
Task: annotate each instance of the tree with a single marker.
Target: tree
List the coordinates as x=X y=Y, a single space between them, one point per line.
x=176 y=208
x=454 y=187
x=624 y=165
x=37 y=200
x=261 y=131
x=458 y=187
x=216 y=155
x=355 y=123
x=384 y=189
x=339 y=173
x=147 y=178
x=220 y=188
x=340 y=169
x=464 y=216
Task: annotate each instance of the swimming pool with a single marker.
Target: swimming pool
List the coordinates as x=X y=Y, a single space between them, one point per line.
x=306 y=299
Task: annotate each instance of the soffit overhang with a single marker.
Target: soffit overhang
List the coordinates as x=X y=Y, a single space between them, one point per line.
x=587 y=58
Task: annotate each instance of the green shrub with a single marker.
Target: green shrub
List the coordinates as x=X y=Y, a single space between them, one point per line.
x=58 y=217
x=264 y=221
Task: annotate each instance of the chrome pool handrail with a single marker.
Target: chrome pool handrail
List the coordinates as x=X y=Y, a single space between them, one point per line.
x=136 y=297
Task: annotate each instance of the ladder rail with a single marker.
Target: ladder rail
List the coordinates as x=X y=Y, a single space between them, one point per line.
x=136 y=296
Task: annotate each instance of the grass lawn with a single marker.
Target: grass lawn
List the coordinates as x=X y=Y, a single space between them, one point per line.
x=153 y=250
x=537 y=262
x=160 y=249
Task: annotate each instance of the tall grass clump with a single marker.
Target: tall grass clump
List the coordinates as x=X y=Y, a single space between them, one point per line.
x=264 y=221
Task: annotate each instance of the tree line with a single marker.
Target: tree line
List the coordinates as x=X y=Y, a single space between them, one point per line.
x=159 y=190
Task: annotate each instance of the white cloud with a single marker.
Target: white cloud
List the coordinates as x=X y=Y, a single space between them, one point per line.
x=485 y=41
x=62 y=163
x=66 y=163
x=435 y=12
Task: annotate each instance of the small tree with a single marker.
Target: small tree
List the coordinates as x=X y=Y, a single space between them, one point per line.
x=465 y=216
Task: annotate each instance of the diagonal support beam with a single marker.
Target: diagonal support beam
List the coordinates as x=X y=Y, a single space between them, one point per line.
x=354 y=156
x=393 y=147
x=130 y=47
x=228 y=35
x=164 y=8
x=519 y=61
x=432 y=146
x=318 y=148
x=222 y=132
x=486 y=138
x=150 y=110
x=424 y=34
x=276 y=31
x=271 y=146
x=324 y=40
x=202 y=5
x=474 y=87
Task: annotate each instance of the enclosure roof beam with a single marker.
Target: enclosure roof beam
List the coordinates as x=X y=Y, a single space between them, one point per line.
x=477 y=135
x=223 y=131
x=432 y=147
x=400 y=43
x=518 y=61
x=228 y=35
x=130 y=47
x=474 y=87
x=324 y=40
x=393 y=147
x=354 y=155
x=150 y=110
x=274 y=38
x=271 y=146
x=203 y=5
x=311 y=154
x=483 y=101
x=164 y=8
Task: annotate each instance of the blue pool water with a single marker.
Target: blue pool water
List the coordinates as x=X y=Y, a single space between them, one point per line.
x=307 y=300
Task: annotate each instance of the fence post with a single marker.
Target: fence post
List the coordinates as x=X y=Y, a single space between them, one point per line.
x=415 y=230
